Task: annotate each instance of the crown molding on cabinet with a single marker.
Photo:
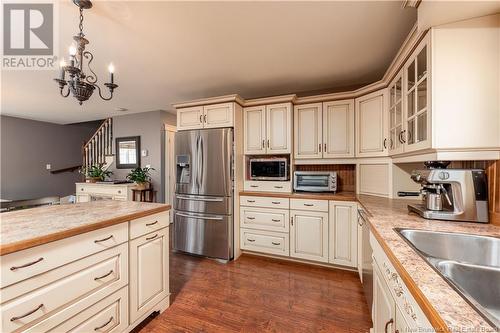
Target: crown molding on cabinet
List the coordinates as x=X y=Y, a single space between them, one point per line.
x=410 y=43
x=291 y=98
x=211 y=100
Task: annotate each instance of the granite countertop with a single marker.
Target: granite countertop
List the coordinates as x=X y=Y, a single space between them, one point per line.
x=432 y=292
x=340 y=196
x=27 y=228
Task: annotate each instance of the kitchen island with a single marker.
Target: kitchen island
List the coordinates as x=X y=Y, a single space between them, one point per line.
x=97 y=266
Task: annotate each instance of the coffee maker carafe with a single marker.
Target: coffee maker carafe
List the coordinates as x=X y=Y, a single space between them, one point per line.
x=451 y=194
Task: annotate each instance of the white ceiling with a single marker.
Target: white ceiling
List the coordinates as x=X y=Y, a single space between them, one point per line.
x=167 y=52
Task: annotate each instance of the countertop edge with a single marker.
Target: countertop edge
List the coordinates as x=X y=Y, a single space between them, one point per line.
x=36 y=241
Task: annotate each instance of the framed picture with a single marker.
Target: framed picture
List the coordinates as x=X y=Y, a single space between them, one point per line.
x=128 y=152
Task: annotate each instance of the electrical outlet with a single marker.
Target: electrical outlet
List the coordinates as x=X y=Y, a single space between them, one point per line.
x=48 y=166
x=144 y=152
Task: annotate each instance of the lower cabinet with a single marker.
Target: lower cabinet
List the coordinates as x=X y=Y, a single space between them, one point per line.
x=343 y=235
x=384 y=306
x=311 y=229
x=148 y=272
x=394 y=308
x=309 y=235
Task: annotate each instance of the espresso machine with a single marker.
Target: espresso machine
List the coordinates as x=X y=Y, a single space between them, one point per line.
x=451 y=194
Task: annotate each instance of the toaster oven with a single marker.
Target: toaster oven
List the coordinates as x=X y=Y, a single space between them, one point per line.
x=315 y=181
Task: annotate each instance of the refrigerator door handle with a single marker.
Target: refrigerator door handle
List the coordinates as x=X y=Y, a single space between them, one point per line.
x=218 y=218
x=182 y=197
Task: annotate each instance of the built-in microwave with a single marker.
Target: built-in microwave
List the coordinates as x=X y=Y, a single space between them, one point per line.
x=269 y=168
x=315 y=181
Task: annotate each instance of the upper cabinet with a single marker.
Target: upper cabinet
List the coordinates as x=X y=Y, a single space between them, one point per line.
x=324 y=130
x=372 y=124
x=268 y=129
x=208 y=116
x=396 y=126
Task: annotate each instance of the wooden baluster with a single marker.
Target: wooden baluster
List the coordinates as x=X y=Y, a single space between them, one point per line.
x=110 y=136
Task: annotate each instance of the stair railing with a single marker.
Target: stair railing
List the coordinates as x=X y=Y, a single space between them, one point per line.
x=99 y=146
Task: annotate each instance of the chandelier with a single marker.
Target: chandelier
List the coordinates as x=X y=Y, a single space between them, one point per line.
x=82 y=85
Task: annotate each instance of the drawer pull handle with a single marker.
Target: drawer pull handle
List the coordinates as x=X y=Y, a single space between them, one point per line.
x=250 y=240
x=103 y=276
x=274 y=243
x=276 y=220
x=13 y=268
x=150 y=224
x=250 y=217
x=278 y=187
x=254 y=185
x=251 y=201
x=103 y=240
x=103 y=325
x=152 y=237
x=275 y=202
x=308 y=205
x=387 y=325
x=27 y=313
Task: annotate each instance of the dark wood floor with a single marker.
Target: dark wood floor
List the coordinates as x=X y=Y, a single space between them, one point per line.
x=255 y=294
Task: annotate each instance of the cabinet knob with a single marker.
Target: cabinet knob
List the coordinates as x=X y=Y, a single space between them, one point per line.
x=387 y=325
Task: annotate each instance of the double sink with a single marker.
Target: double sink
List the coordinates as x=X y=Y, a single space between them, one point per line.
x=469 y=263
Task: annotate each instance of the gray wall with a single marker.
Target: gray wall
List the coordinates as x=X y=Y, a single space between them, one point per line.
x=28 y=145
x=150 y=127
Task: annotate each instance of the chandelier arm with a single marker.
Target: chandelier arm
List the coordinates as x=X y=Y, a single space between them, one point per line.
x=64 y=94
x=92 y=79
x=100 y=93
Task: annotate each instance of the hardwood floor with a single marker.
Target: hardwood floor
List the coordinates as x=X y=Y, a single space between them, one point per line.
x=255 y=294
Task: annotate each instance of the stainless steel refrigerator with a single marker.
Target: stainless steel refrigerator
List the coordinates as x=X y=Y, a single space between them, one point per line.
x=203 y=203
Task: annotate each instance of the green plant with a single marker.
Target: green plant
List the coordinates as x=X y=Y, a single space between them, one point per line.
x=96 y=171
x=140 y=175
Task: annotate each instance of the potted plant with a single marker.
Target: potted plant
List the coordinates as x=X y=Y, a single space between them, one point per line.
x=95 y=173
x=141 y=177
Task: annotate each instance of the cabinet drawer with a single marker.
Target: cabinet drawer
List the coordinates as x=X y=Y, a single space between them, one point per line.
x=267 y=186
x=265 y=202
x=108 y=315
x=265 y=219
x=24 y=264
x=305 y=204
x=265 y=241
x=104 y=272
x=98 y=189
x=147 y=224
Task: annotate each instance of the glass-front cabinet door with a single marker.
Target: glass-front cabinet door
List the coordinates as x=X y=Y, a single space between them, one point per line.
x=395 y=143
x=416 y=134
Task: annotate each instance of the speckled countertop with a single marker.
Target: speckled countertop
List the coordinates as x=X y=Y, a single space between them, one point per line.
x=455 y=312
x=23 y=229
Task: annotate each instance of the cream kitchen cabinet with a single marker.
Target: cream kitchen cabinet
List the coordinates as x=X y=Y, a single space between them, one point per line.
x=268 y=129
x=324 y=130
x=383 y=304
x=207 y=116
x=372 y=124
x=86 y=192
x=309 y=235
x=149 y=282
x=396 y=120
x=343 y=235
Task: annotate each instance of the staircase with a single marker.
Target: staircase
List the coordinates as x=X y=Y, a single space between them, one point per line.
x=99 y=149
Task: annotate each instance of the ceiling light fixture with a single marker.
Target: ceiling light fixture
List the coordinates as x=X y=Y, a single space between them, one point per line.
x=80 y=84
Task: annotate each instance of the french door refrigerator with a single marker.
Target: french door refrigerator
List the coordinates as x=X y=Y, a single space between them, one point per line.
x=203 y=203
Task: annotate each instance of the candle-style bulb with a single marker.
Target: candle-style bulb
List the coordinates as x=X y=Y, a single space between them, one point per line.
x=62 y=63
x=72 y=50
x=111 y=68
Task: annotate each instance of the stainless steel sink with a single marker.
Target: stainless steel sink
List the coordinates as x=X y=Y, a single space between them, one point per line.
x=469 y=263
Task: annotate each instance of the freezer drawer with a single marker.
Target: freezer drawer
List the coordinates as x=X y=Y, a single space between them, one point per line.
x=204 y=234
x=203 y=204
